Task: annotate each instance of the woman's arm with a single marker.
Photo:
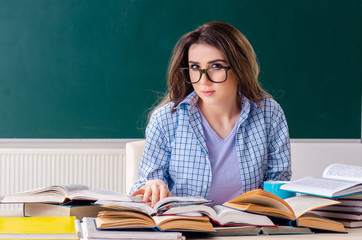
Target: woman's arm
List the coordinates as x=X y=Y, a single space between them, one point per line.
x=279 y=155
x=153 y=180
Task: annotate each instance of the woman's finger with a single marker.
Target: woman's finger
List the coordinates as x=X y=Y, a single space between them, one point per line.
x=155 y=194
x=147 y=193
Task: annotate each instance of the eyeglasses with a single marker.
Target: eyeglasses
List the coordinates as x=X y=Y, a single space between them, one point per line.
x=214 y=74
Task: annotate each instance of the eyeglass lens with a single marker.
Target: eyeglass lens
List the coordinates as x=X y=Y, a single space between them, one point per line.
x=213 y=74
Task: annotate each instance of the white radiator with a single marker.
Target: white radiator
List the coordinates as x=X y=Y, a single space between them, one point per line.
x=25 y=169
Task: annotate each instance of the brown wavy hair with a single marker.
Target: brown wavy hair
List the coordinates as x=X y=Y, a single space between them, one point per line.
x=238 y=53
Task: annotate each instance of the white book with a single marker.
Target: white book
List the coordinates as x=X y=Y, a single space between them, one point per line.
x=338 y=208
x=223 y=215
x=350 y=224
x=338 y=180
x=340 y=215
x=65 y=194
x=90 y=231
x=160 y=206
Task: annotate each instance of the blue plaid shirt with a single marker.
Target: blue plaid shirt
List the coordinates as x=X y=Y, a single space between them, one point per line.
x=176 y=150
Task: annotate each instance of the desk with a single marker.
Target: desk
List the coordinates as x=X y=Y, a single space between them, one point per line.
x=355 y=233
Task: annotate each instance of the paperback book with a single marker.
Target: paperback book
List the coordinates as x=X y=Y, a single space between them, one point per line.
x=294 y=210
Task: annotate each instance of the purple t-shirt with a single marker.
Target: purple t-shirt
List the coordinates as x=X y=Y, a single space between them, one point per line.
x=226 y=178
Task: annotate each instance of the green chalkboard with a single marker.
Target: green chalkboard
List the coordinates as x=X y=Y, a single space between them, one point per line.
x=93 y=68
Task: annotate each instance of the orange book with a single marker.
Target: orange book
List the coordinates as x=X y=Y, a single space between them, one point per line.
x=295 y=209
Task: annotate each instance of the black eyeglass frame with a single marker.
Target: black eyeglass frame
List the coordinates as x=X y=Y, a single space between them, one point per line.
x=202 y=71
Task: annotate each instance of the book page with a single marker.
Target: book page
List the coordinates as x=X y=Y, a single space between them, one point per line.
x=318 y=186
x=169 y=202
x=304 y=203
x=55 y=189
x=74 y=187
x=344 y=172
x=183 y=222
x=99 y=195
x=189 y=211
x=159 y=219
x=228 y=215
x=262 y=198
x=54 y=194
x=130 y=206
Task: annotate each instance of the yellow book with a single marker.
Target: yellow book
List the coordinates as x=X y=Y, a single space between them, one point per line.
x=39 y=227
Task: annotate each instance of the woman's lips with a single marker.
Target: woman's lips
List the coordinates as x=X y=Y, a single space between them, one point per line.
x=208 y=93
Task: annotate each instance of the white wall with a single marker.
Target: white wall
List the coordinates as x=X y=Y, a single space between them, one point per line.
x=311 y=158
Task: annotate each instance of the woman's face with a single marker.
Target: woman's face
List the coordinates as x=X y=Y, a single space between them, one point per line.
x=203 y=56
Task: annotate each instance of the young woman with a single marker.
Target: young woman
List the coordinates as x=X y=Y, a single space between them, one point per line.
x=217 y=134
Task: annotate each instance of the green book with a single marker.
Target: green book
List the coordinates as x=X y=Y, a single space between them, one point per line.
x=58 y=210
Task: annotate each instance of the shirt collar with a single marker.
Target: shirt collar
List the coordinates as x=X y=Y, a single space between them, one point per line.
x=190 y=101
x=245 y=109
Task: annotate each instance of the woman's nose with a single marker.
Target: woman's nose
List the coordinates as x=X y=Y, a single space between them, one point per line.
x=204 y=79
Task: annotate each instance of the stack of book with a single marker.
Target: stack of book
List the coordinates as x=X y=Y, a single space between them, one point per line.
x=90 y=231
x=348 y=212
x=79 y=201
x=340 y=182
x=64 y=200
x=254 y=212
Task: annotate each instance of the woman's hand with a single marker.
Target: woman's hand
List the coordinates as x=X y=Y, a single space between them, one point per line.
x=153 y=190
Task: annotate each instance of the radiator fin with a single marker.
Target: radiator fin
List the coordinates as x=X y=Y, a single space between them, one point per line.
x=26 y=169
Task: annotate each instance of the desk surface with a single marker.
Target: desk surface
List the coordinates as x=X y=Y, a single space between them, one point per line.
x=355 y=233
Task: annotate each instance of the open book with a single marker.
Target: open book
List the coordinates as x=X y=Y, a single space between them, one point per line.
x=222 y=216
x=65 y=194
x=128 y=215
x=294 y=209
x=338 y=180
x=160 y=206
x=134 y=220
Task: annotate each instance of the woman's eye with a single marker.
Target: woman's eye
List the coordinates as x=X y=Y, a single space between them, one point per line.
x=194 y=67
x=216 y=66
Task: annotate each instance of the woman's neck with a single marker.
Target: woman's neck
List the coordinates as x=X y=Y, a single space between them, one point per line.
x=221 y=117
